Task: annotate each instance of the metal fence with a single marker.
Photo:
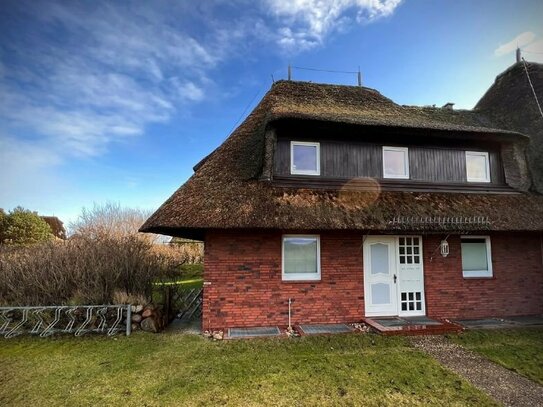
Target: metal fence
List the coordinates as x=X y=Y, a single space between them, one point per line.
x=77 y=320
x=181 y=303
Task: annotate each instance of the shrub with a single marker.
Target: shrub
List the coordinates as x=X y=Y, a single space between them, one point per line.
x=80 y=271
x=21 y=226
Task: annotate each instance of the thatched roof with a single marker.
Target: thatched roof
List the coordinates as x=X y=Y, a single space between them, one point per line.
x=226 y=192
x=56 y=225
x=510 y=102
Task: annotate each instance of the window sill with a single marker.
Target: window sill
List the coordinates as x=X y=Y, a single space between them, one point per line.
x=298 y=281
x=309 y=174
x=478 y=277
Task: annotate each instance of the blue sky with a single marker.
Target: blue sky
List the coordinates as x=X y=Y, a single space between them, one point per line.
x=116 y=101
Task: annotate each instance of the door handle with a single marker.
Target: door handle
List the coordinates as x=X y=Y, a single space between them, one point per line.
x=395 y=278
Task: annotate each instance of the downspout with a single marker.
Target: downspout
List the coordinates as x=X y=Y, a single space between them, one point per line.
x=289 y=322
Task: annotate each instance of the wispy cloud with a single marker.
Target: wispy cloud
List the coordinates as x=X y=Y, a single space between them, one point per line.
x=78 y=77
x=519 y=41
x=531 y=47
x=306 y=23
x=85 y=75
x=105 y=79
x=534 y=51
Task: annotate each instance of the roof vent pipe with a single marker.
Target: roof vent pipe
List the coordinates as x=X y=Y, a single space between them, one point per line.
x=519 y=57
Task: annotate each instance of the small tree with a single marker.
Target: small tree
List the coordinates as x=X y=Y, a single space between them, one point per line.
x=21 y=226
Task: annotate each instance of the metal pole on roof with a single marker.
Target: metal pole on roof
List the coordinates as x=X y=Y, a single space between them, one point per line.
x=289 y=72
x=359 y=77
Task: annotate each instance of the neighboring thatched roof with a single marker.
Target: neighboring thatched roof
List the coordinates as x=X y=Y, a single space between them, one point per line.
x=225 y=191
x=56 y=225
x=510 y=102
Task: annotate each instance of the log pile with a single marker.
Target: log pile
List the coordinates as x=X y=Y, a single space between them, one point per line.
x=148 y=318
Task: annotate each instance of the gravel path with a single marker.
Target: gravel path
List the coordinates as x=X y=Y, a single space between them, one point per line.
x=503 y=385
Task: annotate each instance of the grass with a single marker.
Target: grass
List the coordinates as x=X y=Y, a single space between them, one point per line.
x=190 y=277
x=520 y=349
x=173 y=369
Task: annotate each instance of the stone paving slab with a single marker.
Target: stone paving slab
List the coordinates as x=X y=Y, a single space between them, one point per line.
x=490 y=323
x=193 y=327
x=503 y=385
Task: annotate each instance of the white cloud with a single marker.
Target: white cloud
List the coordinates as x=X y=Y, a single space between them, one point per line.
x=534 y=51
x=308 y=22
x=27 y=170
x=519 y=41
x=188 y=90
x=78 y=77
x=106 y=78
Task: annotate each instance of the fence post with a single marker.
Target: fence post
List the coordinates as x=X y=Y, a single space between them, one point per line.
x=168 y=302
x=128 y=320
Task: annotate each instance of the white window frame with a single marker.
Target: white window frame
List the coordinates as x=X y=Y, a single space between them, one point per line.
x=478 y=273
x=406 y=164
x=487 y=163
x=301 y=276
x=318 y=152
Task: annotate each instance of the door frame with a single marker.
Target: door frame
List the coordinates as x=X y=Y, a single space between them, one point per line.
x=397 y=286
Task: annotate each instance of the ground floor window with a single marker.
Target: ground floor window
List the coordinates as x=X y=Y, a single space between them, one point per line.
x=476 y=256
x=301 y=257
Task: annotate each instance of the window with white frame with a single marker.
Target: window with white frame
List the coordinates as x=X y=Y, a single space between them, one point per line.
x=305 y=158
x=476 y=256
x=477 y=166
x=301 y=257
x=395 y=162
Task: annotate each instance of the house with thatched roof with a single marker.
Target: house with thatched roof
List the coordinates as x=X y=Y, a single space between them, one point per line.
x=334 y=204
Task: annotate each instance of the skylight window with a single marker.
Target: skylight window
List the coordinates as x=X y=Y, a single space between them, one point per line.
x=305 y=158
x=395 y=162
x=477 y=166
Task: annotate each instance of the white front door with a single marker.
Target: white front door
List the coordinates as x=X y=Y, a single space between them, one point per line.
x=393 y=276
x=381 y=297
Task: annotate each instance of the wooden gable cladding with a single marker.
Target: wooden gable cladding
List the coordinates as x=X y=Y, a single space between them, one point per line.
x=342 y=156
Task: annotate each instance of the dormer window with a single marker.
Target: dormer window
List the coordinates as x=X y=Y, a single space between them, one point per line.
x=395 y=162
x=477 y=166
x=305 y=158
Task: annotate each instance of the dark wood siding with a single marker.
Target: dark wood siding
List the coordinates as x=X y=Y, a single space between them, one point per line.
x=351 y=159
x=437 y=165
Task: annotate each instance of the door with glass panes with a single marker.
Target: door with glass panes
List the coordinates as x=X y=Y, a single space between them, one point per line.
x=393 y=276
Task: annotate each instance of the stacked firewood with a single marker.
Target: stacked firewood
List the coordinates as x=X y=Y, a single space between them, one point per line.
x=148 y=318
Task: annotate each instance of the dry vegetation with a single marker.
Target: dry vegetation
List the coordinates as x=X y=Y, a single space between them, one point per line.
x=79 y=271
x=106 y=260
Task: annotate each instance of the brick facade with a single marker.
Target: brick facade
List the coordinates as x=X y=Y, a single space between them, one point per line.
x=516 y=287
x=243 y=284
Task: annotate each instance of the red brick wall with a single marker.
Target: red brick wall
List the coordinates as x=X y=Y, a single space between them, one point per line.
x=244 y=269
x=244 y=285
x=516 y=287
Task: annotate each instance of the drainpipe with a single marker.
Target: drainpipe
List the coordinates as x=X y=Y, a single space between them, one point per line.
x=289 y=324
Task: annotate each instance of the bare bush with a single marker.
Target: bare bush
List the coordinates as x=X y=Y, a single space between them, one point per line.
x=182 y=254
x=112 y=220
x=80 y=271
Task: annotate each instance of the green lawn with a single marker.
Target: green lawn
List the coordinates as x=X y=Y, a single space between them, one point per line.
x=190 y=277
x=173 y=369
x=520 y=350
